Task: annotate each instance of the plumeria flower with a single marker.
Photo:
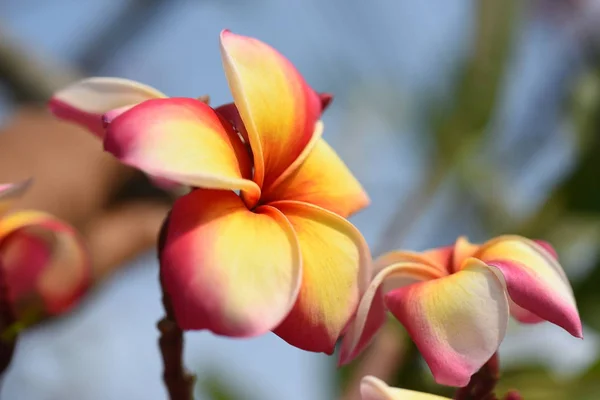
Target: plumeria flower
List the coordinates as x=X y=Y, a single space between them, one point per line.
x=455 y=301
x=45 y=266
x=372 y=388
x=262 y=243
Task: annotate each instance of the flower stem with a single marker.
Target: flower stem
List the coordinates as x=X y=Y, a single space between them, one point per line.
x=179 y=383
x=7 y=319
x=482 y=384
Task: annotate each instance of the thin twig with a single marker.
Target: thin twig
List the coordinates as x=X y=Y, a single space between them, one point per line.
x=179 y=383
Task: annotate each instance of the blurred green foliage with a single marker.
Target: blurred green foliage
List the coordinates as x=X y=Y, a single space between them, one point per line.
x=214 y=386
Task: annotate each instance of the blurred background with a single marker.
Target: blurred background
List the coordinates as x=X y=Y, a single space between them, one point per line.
x=459 y=117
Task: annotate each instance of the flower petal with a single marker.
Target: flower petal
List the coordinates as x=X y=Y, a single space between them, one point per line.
x=278 y=108
x=463 y=249
x=522 y=315
x=434 y=260
x=335 y=273
x=227 y=269
x=457 y=322
x=535 y=280
x=182 y=140
x=84 y=102
x=322 y=179
x=44 y=261
x=230 y=112
x=372 y=388
x=326 y=100
x=370 y=315
x=9 y=192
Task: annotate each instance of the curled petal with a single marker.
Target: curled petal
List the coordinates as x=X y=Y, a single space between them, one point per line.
x=457 y=322
x=522 y=315
x=320 y=178
x=184 y=141
x=326 y=99
x=433 y=260
x=84 y=102
x=278 y=109
x=230 y=113
x=109 y=116
x=335 y=273
x=227 y=269
x=372 y=388
x=548 y=247
x=535 y=281
x=463 y=249
x=46 y=266
x=10 y=192
x=370 y=315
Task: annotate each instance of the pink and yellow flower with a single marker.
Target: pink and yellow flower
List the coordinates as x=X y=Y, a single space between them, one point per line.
x=262 y=244
x=455 y=301
x=45 y=267
x=372 y=388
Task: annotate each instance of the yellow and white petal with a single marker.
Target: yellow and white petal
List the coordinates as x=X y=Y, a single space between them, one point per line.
x=435 y=260
x=85 y=101
x=372 y=388
x=227 y=269
x=463 y=249
x=335 y=273
x=535 y=281
x=457 y=322
x=181 y=140
x=279 y=110
x=322 y=179
x=371 y=313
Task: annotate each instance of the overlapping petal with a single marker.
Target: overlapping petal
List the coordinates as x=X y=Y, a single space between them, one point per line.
x=463 y=249
x=434 y=259
x=372 y=388
x=457 y=322
x=182 y=140
x=320 y=178
x=84 y=102
x=335 y=272
x=46 y=266
x=227 y=269
x=370 y=315
x=230 y=112
x=278 y=109
x=9 y=192
x=535 y=281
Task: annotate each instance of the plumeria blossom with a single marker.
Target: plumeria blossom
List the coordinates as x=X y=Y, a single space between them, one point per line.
x=455 y=301
x=262 y=242
x=372 y=388
x=45 y=265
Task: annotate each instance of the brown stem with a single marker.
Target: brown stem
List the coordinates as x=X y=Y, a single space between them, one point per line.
x=482 y=384
x=179 y=383
x=7 y=318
